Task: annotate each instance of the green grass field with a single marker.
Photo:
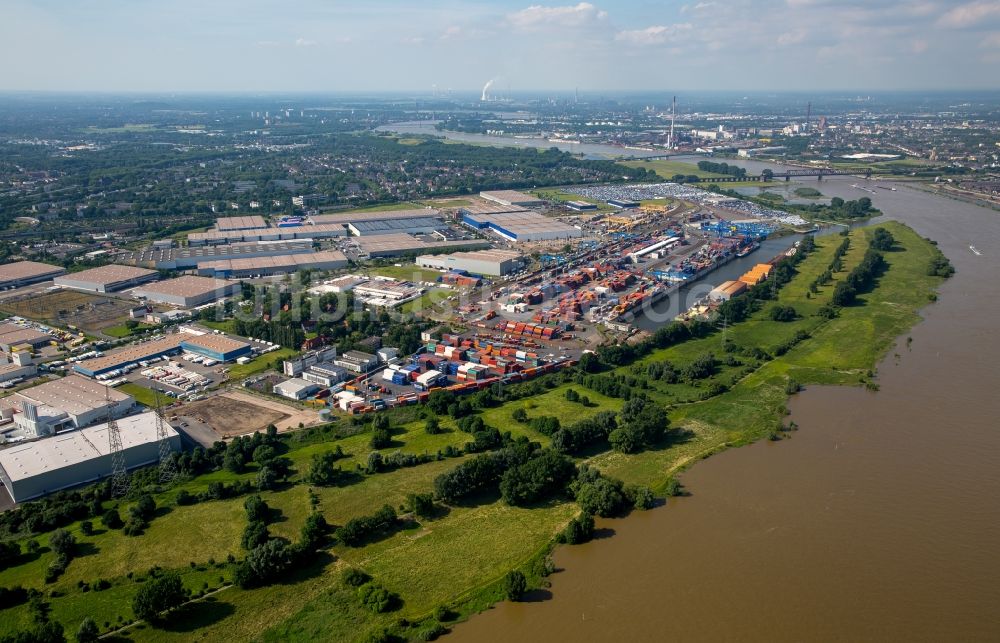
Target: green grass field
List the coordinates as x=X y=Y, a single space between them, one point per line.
x=458 y=558
x=406 y=272
x=667 y=168
x=260 y=364
x=400 y=205
x=123 y=331
x=447 y=203
x=142 y=394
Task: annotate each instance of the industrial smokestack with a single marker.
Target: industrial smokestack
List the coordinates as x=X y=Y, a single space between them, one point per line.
x=486 y=91
x=673 y=114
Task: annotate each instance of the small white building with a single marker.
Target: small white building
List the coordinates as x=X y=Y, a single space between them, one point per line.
x=386 y=354
x=295 y=388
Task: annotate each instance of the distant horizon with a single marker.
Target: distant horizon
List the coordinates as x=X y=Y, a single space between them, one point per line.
x=528 y=92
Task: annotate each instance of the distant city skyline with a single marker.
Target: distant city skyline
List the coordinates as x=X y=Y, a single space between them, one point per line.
x=626 y=45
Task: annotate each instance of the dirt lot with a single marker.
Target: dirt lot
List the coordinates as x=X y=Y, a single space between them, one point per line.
x=234 y=413
x=62 y=307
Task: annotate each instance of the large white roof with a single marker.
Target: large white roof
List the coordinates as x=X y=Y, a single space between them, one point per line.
x=67 y=449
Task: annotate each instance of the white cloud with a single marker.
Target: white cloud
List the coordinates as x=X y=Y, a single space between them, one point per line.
x=454 y=31
x=792 y=37
x=918 y=46
x=970 y=14
x=698 y=6
x=655 y=35
x=574 y=16
x=303 y=42
x=991 y=41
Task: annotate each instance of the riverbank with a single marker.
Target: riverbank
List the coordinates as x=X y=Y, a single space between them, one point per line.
x=876 y=521
x=458 y=559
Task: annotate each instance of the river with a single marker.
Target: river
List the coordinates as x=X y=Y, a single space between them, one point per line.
x=878 y=520
x=588 y=150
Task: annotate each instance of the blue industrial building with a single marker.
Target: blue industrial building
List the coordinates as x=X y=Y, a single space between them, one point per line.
x=217 y=347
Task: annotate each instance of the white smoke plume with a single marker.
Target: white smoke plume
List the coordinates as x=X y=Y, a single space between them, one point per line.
x=486 y=90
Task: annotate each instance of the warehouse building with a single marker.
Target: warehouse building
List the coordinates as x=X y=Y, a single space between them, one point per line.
x=241 y=223
x=221 y=237
x=727 y=290
x=106 y=278
x=389 y=245
x=40 y=467
x=489 y=207
x=217 y=347
x=12 y=335
x=191 y=257
x=294 y=367
x=266 y=266
x=512 y=197
x=129 y=355
x=295 y=388
x=187 y=291
x=24 y=273
x=580 y=206
x=326 y=375
x=411 y=225
x=480 y=262
x=356 y=361
x=522 y=226
x=69 y=402
x=18 y=366
x=386 y=292
x=757 y=274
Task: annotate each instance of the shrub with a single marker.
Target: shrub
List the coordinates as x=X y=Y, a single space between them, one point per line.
x=381 y=437
x=144 y=509
x=602 y=497
x=112 y=519
x=421 y=504
x=538 y=478
x=514 y=585
x=322 y=471
x=432 y=632
x=263 y=564
x=579 y=530
x=157 y=595
x=358 y=531
x=354 y=577
x=641 y=497
x=134 y=527
x=87 y=632
x=254 y=535
x=783 y=314
x=257 y=510
x=376 y=598
x=314 y=530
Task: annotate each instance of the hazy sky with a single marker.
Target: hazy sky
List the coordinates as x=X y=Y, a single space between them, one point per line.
x=333 y=45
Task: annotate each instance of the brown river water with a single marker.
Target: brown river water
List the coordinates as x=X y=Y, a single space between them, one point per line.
x=879 y=520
